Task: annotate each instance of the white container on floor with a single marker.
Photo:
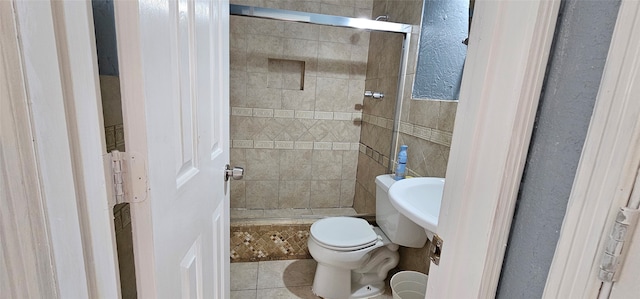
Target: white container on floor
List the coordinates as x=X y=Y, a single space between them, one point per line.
x=409 y=285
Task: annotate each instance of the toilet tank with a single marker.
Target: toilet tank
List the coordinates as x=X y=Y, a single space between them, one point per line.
x=398 y=228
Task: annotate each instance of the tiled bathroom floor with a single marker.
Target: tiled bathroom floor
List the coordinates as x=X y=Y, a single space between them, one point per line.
x=276 y=279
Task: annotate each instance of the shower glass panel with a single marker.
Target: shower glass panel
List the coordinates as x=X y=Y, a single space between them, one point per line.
x=299 y=118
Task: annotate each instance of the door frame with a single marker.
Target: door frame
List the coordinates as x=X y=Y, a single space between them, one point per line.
x=483 y=143
x=59 y=68
x=607 y=169
x=507 y=57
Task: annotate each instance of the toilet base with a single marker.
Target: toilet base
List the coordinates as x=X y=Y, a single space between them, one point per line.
x=329 y=284
x=367 y=291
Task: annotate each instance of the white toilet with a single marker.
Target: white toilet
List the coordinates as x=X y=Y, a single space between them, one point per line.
x=354 y=257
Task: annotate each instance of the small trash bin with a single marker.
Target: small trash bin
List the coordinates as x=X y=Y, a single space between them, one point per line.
x=409 y=285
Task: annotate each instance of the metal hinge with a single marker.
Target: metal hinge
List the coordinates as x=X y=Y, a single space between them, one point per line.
x=435 y=248
x=129 y=177
x=616 y=246
x=117 y=176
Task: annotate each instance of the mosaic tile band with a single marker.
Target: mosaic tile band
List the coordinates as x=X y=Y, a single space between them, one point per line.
x=253 y=243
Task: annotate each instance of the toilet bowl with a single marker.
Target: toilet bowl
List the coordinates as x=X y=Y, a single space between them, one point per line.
x=353 y=256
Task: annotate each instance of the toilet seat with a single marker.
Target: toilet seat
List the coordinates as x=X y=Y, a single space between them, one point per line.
x=344 y=233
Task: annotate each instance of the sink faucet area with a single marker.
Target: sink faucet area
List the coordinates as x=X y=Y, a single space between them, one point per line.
x=419 y=200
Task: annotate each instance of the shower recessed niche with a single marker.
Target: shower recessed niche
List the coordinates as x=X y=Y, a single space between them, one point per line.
x=285 y=74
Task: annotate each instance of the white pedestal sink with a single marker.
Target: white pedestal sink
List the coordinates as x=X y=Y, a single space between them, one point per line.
x=419 y=200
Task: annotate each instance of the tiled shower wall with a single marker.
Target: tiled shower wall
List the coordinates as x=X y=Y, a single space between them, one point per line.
x=426 y=125
x=296 y=96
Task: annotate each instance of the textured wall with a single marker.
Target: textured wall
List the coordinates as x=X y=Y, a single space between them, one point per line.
x=576 y=63
x=442 y=53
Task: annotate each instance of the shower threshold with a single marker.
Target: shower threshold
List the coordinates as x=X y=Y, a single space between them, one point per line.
x=314 y=213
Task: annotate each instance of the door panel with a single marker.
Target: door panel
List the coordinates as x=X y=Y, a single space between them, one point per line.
x=174 y=69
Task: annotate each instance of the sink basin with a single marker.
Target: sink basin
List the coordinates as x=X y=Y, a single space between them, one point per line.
x=419 y=200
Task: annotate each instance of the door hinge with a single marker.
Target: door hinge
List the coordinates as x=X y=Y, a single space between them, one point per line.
x=128 y=176
x=117 y=176
x=616 y=245
x=435 y=248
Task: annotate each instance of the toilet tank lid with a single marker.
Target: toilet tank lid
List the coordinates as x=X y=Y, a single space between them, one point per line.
x=385 y=181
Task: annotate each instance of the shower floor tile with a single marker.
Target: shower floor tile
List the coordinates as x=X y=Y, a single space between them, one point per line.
x=276 y=279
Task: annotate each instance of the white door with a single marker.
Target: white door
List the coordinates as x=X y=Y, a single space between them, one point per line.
x=499 y=95
x=173 y=59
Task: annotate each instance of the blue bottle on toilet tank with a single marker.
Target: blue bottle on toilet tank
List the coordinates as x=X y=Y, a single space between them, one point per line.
x=401 y=168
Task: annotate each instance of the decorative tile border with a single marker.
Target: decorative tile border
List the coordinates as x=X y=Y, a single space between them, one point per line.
x=428 y=134
x=252 y=243
x=375 y=155
x=300 y=114
x=279 y=144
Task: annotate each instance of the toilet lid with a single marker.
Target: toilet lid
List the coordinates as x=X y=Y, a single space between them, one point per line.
x=343 y=233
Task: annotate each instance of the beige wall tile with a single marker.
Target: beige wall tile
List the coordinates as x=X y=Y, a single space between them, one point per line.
x=237 y=24
x=264 y=98
x=238 y=89
x=363 y=13
x=265 y=27
x=292 y=130
x=262 y=164
x=447 y=115
x=294 y=194
x=325 y=194
x=363 y=4
x=334 y=92
x=424 y=157
x=345 y=131
x=347 y=192
x=301 y=99
x=306 y=6
x=340 y=35
x=334 y=60
x=295 y=164
x=338 y=10
x=326 y=165
x=261 y=194
x=349 y=165
x=321 y=131
x=237 y=194
x=300 y=49
x=359 y=198
x=237 y=60
x=301 y=31
x=424 y=113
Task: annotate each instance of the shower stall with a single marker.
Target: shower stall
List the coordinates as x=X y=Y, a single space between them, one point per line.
x=310 y=140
